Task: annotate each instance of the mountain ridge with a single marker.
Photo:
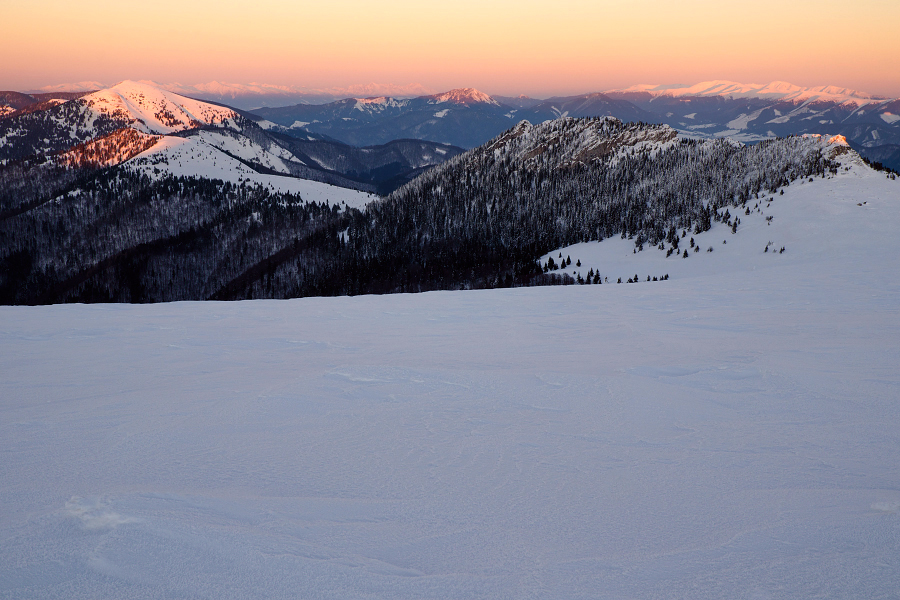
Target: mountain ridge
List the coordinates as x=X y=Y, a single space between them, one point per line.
x=773 y=90
x=115 y=125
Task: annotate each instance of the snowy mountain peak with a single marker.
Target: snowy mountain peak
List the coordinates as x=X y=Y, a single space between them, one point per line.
x=81 y=86
x=775 y=90
x=150 y=109
x=828 y=140
x=567 y=141
x=836 y=147
x=464 y=96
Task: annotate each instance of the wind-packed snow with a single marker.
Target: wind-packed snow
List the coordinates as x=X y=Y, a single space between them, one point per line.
x=729 y=433
x=202 y=156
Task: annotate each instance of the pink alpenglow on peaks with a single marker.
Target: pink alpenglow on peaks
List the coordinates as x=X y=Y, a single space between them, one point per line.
x=466 y=96
x=776 y=90
x=152 y=110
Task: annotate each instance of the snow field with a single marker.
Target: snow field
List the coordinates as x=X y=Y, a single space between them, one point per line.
x=729 y=433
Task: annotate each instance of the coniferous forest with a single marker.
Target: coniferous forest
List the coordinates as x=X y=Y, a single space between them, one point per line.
x=481 y=219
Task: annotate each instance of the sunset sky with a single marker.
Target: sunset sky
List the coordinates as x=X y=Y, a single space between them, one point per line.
x=499 y=46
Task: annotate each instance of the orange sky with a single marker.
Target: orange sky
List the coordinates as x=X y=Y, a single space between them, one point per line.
x=501 y=47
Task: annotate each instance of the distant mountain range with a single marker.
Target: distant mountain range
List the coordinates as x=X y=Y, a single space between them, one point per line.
x=466 y=117
x=135 y=193
x=255 y=95
x=755 y=112
x=191 y=216
x=462 y=117
x=375 y=114
x=745 y=112
x=161 y=132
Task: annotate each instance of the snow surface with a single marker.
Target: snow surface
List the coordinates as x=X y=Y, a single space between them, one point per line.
x=202 y=156
x=729 y=433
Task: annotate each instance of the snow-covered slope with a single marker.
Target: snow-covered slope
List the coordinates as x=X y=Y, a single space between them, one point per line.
x=152 y=110
x=578 y=141
x=111 y=126
x=378 y=104
x=463 y=96
x=137 y=106
x=108 y=150
x=776 y=90
x=789 y=230
x=728 y=434
x=215 y=155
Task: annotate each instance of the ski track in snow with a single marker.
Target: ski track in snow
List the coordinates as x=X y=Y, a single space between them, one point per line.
x=729 y=433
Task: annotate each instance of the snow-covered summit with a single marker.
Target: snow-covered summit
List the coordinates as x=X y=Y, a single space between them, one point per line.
x=80 y=86
x=775 y=90
x=150 y=109
x=569 y=140
x=465 y=96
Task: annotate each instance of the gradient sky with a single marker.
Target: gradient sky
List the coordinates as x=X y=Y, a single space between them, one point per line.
x=500 y=46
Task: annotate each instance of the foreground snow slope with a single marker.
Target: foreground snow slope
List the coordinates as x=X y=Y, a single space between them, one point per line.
x=717 y=436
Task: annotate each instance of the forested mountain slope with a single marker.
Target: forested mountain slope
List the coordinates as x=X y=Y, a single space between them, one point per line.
x=180 y=136
x=481 y=219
